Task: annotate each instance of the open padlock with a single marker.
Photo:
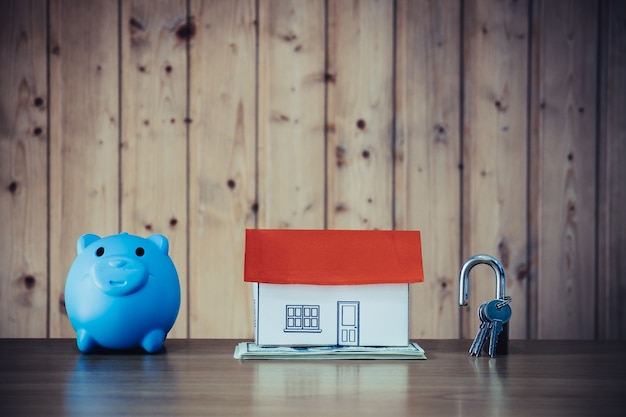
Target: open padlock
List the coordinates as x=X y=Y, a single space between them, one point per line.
x=502 y=347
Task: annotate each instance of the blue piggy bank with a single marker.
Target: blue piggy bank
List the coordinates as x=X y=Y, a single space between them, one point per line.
x=122 y=292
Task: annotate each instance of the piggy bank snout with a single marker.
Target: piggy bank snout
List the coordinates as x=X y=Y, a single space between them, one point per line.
x=117 y=263
x=118 y=276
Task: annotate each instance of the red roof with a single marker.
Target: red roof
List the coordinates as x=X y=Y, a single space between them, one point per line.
x=333 y=257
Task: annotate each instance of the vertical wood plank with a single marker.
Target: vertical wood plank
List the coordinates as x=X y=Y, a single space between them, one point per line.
x=291 y=148
x=495 y=156
x=612 y=171
x=360 y=114
x=564 y=236
x=23 y=169
x=533 y=176
x=154 y=131
x=222 y=165
x=84 y=139
x=427 y=155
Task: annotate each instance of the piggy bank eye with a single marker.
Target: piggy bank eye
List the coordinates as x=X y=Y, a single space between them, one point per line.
x=139 y=251
x=100 y=251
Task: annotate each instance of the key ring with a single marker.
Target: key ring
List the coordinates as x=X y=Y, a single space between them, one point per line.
x=505 y=301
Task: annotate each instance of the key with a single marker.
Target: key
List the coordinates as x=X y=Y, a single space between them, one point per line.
x=473 y=346
x=483 y=332
x=497 y=317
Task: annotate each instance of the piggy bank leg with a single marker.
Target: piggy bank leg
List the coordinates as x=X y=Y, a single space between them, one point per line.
x=153 y=341
x=85 y=342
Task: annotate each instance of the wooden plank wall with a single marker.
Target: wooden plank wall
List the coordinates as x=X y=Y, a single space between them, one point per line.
x=494 y=146
x=493 y=126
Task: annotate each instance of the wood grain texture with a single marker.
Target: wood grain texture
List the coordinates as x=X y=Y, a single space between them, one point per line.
x=84 y=139
x=222 y=165
x=344 y=114
x=200 y=377
x=23 y=169
x=612 y=172
x=566 y=169
x=495 y=159
x=291 y=148
x=154 y=129
x=427 y=153
x=360 y=115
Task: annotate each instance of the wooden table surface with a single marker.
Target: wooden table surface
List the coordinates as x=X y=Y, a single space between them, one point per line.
x=200 y=377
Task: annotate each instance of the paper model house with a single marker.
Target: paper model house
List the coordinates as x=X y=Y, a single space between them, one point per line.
x=332 y=287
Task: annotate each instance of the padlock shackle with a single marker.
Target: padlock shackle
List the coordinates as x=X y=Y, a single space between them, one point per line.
x=465 y=271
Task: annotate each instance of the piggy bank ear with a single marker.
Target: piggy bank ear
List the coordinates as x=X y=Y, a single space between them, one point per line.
x=84 y=241
x=161 y=242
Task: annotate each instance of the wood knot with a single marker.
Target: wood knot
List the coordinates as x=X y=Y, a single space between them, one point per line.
x=289 y=37
x=440 y=133
x=186 y=31
x=13 y=187
x=571 y=207
x=340 y=156
x=504 y=253
x=340 y=208
x=279 y=117
x=62 y=309
x=29 y=282
x=521 y=272
x=135 y=24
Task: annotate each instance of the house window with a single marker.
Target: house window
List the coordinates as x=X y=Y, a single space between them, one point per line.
x=302 y=318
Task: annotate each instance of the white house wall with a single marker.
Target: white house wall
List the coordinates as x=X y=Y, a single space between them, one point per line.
x=383 y=313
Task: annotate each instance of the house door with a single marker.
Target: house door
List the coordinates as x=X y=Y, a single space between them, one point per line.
x=348 y=323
